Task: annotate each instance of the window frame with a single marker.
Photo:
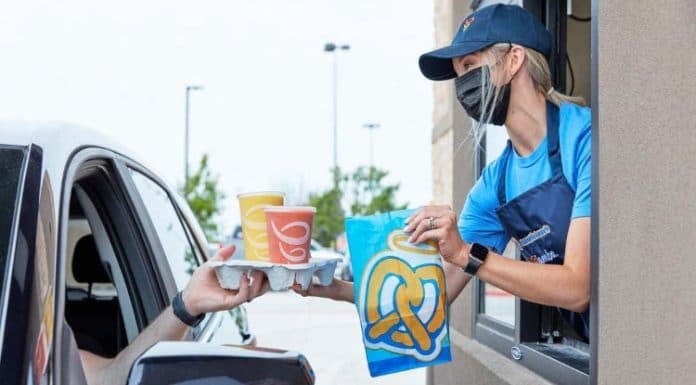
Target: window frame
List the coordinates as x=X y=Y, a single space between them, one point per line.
x=594 y=220
x=164 y=270
x=519 y=342
x=165 y=273
x=205 y=330
x=126 y=240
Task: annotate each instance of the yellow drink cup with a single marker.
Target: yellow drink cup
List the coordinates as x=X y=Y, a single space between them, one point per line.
x=253 y=219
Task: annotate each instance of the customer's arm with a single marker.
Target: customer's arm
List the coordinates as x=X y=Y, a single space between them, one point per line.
x=203 y=294
x=104 y=371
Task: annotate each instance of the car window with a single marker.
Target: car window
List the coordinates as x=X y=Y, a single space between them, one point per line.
x=11 y=161
x=167 y=223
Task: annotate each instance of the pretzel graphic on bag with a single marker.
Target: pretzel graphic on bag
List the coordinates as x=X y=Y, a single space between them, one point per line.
x=402 y=299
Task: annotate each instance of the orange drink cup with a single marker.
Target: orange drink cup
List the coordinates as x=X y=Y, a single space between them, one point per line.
x=251 y=206
x=289 y=233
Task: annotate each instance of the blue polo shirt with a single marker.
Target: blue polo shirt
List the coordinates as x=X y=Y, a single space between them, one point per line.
x=478 y=221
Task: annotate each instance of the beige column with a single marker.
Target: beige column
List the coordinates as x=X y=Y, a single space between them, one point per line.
x=646 y=99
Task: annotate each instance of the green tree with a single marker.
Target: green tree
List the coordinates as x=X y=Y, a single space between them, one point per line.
x=328 y=221
x=369 y=193
x=203 y=195
x=366 y=193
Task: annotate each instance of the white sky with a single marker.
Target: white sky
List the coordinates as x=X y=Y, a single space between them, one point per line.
x=265 y=113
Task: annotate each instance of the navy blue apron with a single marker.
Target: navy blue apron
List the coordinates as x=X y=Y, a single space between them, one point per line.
x=538 y=219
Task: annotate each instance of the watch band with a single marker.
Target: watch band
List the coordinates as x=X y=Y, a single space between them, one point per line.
x=182 y=314
x=477 y=256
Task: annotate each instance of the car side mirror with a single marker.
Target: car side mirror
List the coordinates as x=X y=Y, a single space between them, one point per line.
x=193 y=363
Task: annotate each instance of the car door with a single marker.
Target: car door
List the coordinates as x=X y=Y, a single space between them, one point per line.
x=111 y=292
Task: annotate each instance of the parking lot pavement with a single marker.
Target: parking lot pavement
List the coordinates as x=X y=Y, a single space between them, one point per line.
x=326 y=332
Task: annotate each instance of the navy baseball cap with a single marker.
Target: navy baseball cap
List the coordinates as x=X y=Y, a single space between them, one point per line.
x=490 y=25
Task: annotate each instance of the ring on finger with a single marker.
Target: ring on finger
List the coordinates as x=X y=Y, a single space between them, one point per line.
x=432 y=223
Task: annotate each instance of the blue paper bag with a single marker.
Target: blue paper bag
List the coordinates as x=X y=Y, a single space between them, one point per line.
x=400 y=295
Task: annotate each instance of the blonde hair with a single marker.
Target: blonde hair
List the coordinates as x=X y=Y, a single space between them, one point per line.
x=539 y=72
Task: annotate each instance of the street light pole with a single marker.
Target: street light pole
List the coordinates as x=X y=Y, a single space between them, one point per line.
x=331 y=47
x=186 y=132
x=372 y=127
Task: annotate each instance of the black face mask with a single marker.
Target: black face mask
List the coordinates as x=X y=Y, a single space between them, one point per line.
x=469 y=91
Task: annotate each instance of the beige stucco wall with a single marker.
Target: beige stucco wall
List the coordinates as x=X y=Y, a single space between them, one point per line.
x=647 y=184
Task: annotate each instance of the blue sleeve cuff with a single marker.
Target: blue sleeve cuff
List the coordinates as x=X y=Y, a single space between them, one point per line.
x=581 y=211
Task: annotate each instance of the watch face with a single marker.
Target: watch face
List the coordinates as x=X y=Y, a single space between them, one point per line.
x=479 y=252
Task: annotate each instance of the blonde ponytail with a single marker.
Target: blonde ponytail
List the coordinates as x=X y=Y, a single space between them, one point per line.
x=539 y=72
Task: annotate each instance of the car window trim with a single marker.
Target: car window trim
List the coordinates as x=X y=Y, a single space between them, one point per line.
x=124 y=233
x=164 y=273
x=205 y=330
x=25 y=220
x=14 y=228
x=199 y=249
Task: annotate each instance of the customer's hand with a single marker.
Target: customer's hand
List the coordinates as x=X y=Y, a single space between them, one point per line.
x=338 y=290
x=439 y=223
x=203 y=294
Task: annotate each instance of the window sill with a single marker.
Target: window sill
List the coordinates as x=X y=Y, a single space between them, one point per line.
x=559 y=363
x=569 y=355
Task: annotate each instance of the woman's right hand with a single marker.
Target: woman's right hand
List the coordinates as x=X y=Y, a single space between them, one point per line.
x=338 y=290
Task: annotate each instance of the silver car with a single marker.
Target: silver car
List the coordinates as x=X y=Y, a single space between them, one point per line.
x=93 y=246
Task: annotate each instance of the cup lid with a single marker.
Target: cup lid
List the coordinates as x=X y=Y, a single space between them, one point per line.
x=258 y=193
x=289 y=209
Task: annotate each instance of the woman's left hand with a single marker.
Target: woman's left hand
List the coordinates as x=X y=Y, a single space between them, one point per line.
x=439 y=223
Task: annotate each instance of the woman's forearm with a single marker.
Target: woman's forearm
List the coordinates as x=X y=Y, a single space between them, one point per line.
x=456 y=280
x=566 y=286
x=553 y=285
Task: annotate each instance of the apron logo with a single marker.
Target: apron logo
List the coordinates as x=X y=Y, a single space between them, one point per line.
x=535 y=235
x=548 y=256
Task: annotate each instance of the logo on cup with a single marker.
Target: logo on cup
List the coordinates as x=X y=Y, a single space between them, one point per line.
x=255 y=232
x=253 y=217
x=297 y=252
x=289 y=233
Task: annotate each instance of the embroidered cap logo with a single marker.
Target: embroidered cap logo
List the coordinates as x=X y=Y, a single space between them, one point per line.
x=467 y=23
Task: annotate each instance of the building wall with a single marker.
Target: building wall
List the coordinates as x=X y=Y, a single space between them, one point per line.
x=647 y=179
